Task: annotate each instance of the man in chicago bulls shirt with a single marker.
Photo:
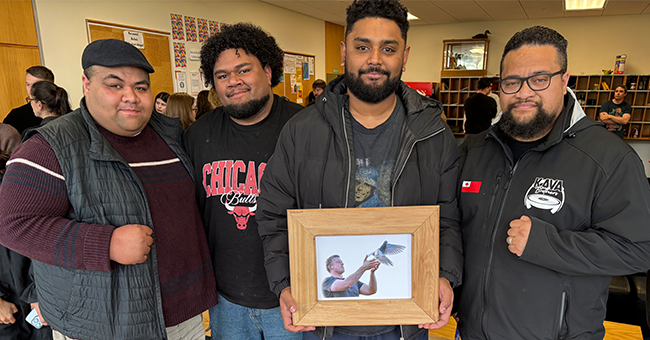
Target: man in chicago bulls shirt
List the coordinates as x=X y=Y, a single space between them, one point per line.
x=229 y=147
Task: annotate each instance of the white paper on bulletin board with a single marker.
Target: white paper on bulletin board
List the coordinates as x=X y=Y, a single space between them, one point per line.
x=289 y=64
x=311 y=66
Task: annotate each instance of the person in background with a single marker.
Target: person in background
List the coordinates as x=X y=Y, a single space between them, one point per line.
x=366 y=121
x=229 y=148
x=616 y=112
x=160 y=102
x=9 y=139
x=479 y=109
x=317 y=89
x=103 y=201
x=213 y=97
x=179 y=106
x=23 y=117
x=552 y=206
x=203 y=103
x=48 y=102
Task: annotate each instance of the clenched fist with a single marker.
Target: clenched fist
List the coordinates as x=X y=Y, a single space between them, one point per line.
x=130 y=244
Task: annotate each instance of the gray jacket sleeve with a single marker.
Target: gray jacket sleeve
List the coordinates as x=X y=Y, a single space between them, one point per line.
x=617 y=242
x=277 y=195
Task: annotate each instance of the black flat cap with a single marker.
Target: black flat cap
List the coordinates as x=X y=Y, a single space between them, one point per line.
x=114 y=53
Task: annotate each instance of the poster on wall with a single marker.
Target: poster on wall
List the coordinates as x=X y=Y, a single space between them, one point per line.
x=181 y=81
x=190 y=29
x=195 y=83
x=289 y=64
x=177 y=27
x=180 y=57
x=203 y=29
x=305 y=71
x=214 y=27
x=311 y=66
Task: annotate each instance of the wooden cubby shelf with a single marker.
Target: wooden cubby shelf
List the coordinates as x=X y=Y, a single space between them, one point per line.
x=592 y=92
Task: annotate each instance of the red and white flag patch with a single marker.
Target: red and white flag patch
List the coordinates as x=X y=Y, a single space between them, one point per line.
x=471 y=187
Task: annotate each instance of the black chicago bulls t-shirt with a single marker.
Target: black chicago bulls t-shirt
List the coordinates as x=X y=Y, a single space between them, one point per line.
x=229 y=161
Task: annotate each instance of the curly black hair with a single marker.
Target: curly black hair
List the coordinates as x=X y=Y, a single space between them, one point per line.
x=386 y=9
x=537 y=36
x=248 y=37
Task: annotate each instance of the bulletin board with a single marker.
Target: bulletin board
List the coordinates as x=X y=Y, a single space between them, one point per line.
x=299 y=75
x=156 y=50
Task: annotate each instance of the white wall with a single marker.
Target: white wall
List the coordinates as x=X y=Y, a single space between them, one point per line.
x=594 y=43
x=64 y=35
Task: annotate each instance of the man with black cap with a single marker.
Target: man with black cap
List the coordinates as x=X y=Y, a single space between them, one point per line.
x=103 y=200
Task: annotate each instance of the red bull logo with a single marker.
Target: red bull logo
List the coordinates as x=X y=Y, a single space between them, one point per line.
x=241 y=214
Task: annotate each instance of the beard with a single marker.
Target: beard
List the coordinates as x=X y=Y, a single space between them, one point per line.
x=371 y=93
x=526 y=130
x=247 y=109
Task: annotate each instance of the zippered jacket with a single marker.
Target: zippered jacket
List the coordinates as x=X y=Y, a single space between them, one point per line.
x=313 y=167
x=587 y=195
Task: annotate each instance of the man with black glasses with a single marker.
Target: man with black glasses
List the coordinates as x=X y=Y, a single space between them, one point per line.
x=552 y=205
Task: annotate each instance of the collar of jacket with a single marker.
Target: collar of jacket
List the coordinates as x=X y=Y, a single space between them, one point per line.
x=420 y=121
x=572 y=119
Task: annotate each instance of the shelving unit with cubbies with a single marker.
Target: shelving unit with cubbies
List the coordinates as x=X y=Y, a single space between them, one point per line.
x=453 y=92
x=592 y=92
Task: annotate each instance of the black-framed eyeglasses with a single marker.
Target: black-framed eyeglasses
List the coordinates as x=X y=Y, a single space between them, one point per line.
x=29 y=100
x=538 y=82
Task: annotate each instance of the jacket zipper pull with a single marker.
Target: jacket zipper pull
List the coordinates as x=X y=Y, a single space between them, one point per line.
x=505 y=187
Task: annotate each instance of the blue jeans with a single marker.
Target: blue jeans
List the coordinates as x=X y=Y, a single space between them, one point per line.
x=230 y=321
x=394 y=335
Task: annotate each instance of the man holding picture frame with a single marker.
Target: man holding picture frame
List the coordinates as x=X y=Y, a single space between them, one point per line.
x=367 y=126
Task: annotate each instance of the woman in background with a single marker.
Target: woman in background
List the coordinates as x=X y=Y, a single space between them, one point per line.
x=179 y=106
x=160 y=102
x=214 y=98
x=203 y=104
x=48 y=102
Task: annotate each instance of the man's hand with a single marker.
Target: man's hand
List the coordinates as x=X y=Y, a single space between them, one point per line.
x=287 y=308
x=369 y=264
x=603 y=116
x=130 y=244
x=7 y=310
x=38 y=311
x=446 y=295
x=518 y=234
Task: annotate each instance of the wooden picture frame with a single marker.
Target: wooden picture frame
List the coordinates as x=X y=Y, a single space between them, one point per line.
x=422 y=222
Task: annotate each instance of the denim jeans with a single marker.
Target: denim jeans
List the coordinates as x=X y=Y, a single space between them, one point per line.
x=230 y=321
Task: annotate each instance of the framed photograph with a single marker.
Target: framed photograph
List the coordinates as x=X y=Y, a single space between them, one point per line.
x=364 y=266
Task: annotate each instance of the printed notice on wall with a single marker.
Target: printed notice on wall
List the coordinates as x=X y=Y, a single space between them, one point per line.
x=195 y=82
x=181 y=81
x=134 y=38
x=289 y=64
x=311 y=66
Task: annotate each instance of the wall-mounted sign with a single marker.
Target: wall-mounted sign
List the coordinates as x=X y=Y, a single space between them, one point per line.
x=195 y=54
x=134 y=38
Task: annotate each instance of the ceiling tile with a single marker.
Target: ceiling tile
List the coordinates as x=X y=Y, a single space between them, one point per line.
x=428 y=13
x=543 y=9
x=333 y=6
x=615 y=7
x=303 y=8
x=502 y=10
x=463 y=10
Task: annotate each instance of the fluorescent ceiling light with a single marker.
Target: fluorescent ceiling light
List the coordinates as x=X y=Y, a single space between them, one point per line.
x=573 y=5
x=411 y=17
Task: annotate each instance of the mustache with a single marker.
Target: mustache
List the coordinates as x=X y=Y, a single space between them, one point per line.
x=377 y=69
x=238 y=89
x=513 y=104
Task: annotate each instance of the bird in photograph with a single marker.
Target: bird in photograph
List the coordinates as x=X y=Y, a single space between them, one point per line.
x=381 y=254
x=483 y=35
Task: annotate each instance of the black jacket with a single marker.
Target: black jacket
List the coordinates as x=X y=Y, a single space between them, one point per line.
x=587 y=195
x=313 y=167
